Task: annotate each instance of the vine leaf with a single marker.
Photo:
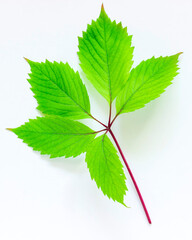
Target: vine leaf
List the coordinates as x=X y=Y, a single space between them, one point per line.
x=59 y=90
x=106 y=168
x=55 y=136
x=105 y=54
x=146 y=82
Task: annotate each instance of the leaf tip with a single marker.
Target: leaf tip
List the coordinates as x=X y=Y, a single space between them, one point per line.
x=102 y=7
x=26 y=59
x=180 y=53
x=125 y=205
x=9 y=129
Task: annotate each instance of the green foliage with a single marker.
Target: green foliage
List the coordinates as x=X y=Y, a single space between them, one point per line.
x=146 y=82
x=105 y=54
x=55 y=136
x=106 y=168
x=59 y=90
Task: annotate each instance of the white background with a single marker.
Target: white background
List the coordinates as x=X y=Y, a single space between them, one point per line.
x=56 y=199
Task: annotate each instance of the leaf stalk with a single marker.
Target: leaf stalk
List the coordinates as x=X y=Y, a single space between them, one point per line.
x=97 y=121
x=132 y=177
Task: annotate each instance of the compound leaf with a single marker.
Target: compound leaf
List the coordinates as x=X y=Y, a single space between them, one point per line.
x=55 y=136
x=146 y=82
x=59 y=90
x=105 y=55
x=106 y=168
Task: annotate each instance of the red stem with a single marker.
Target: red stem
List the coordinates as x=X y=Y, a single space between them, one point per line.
x=114 y=119
x=99 y=131
x=97 y=120
x=108 y=129
x=109 y=122
x=132 y=177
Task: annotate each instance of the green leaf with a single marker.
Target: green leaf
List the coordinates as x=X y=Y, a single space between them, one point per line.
x=105 y=54
x=106 y=169
x=146 y=82
x=55 y=136
x=59 y=90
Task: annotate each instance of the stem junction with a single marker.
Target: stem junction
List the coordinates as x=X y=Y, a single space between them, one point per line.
x=108 y=129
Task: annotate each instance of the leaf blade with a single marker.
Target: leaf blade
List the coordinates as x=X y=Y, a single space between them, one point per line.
x=59 y=90
x=106 y=168
x=146 y=82
x=105 y=55
x=55 y=136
